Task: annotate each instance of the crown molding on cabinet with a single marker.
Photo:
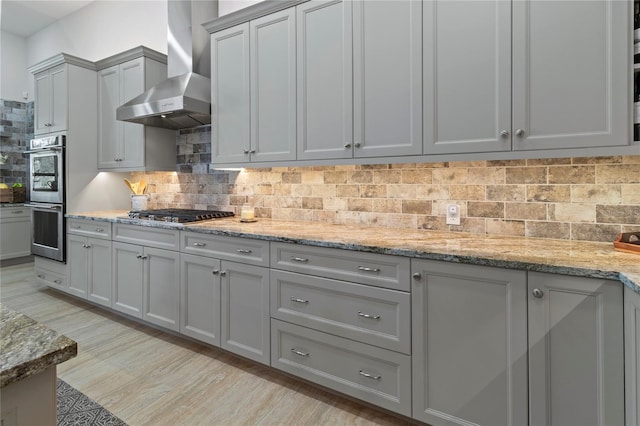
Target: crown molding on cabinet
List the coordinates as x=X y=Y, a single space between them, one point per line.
x=252 y=12
x=59 y=59
x=128 y=55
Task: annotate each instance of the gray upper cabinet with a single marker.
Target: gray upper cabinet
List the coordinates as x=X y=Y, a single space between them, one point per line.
x=469 y=329
x=130 y=146
x=325 y=72
x=51 y=100
x=230 y=111
x=467 y=76
x=387 y=75
x=273 y=87
x=575 y=351
x=571 y=85
x=254 y=91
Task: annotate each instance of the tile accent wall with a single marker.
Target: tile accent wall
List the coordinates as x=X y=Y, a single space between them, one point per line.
x=567 y=198
x=16 y=129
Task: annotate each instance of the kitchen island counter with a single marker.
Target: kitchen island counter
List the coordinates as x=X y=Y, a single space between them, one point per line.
x=579 y=258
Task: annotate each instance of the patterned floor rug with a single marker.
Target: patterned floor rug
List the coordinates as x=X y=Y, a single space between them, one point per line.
x=76 y=408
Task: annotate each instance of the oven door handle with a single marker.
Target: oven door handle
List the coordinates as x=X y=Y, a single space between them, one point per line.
x=49 y=148
x=44 y=206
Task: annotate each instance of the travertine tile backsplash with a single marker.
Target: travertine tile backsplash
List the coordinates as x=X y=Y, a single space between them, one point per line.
x=568 y=198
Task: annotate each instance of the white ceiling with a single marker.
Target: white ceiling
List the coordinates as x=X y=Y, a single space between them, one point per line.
x=26 y=17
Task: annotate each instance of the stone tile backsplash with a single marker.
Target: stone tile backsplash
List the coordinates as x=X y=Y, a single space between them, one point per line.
x=16 y=129
x=580 y=198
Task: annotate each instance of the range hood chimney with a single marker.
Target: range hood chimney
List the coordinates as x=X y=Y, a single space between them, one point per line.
x=184 y=99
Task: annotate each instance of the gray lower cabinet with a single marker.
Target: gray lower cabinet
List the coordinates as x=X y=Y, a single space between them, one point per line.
x=200 y=298
x=90 y=268
x=632 y=356
x=245 y=310
x=372 y=374
x=127 y=278
x=469 y=344
x=576 y=371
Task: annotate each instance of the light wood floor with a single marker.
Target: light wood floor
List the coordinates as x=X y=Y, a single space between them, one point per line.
x=148 y=377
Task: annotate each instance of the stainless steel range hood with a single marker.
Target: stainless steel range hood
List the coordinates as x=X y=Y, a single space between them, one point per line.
x=184 y=99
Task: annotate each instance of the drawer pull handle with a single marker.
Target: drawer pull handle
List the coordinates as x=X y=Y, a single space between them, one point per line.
x=370 y=376
x=199 y=244
x=215 y=271
x=40 y=275
x=295 y=299
x=299 y=353
x=365 y=269
x=363 y=315
x=139 y=256
x=243 y=251
x=299 y=259
x=99 y=230
x=16 y=211
x=76 y=226
x=57 y=281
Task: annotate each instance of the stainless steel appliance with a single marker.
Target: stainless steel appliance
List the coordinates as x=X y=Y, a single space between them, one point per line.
x=47 y=194
x=178 y=215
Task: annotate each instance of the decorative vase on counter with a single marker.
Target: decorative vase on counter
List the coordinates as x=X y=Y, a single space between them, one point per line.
x=139 y=202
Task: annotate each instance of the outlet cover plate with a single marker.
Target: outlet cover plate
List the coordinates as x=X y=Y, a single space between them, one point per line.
x=453 y=214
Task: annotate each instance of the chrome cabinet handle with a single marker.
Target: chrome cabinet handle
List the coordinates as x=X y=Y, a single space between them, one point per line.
x=243 y=251
x=246 y=151
x=417 y=276
x=16 y=211
x=144 y=257
x=295 y=299
x=199 y=244
x=140 y=256
x=57 y=281
x=223 y=273
x=365 y=269
x=363 y=315
x=347 y=145
x=299 y=352
x=99 y=230
x=299 y=259
x=370 y=376
x=40 y=275
x=76 y=227
x=504 y=133
x=252 y=151
x=357 y=144
x=520 y=133
x=537 y=293
x=215 y=271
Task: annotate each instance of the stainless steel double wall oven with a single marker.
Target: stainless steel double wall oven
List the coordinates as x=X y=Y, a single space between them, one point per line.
x=47 y=196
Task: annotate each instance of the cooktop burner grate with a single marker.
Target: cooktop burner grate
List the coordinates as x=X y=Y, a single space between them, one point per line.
x=179 y=215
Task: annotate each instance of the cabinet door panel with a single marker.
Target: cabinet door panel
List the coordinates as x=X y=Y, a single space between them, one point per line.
x=273 y=87
x=245 y=310
x=467 y=76
x=200 y=298
x=42 y=107
x=108 y=102
x=575 y=351
x=230 y=95
x=387 y=69
x=77 y=258
x=325 y=66
x=469 y=344
x=571 y=78
x=59 y=97
x=132 y=134
x=127 y=279
x=99 y=271
x=161 y=288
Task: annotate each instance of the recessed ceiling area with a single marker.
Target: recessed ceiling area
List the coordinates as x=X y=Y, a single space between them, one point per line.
x=25 y=18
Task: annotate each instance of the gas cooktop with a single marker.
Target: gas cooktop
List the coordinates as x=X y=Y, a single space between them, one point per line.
x=178 y=215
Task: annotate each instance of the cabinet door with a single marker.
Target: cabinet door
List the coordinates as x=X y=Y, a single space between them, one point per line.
x=230 y=95
x=632 y=356
x=161 y=288
x=59 y=98
x=325 y=72
x=127 y=278
x=15 y=229
x=200 y=298
x=467 y=76
x=245 y=310
x=131 y=85
x=77 y=258
x=99 y=271
x=575 y=351
x=273 y=87
x=469 y=344
x=42 y=102
x=109 y=137
x=571 y=85
x=387 y=69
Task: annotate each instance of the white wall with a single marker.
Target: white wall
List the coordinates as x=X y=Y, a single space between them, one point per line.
x=13 y=63
x=227 y=6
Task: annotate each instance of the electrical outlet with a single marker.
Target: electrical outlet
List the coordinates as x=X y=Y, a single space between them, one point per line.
x=453 y=214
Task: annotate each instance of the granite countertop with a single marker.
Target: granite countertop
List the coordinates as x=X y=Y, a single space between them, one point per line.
x=581 y=258
x=28 y=347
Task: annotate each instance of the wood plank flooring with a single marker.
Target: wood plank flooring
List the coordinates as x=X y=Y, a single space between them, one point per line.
x=148 y=377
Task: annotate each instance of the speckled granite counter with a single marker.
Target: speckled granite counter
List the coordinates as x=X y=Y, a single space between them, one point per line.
x=28 y=347
x=588 y=259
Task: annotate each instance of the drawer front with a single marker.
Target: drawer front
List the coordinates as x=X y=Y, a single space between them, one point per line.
x=168 y=239
x=89 y=228
x=379 y=270
x=243 y=250
x=18 y=212
x=51 y=279
x=372 y=315
x=375 y=375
